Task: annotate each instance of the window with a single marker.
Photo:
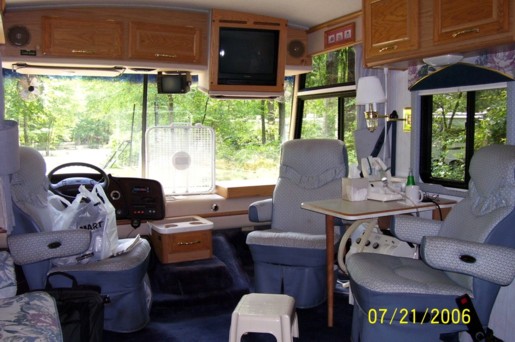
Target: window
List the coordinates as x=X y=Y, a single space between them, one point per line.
x=454 y=125
x=102 y=121
x=326 y=101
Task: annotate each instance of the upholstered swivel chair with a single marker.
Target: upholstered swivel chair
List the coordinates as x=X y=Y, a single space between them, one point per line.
x=290 y=257
x=123 y=279
x=471 y=252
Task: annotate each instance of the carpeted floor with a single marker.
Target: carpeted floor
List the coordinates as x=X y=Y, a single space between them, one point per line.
x=193 y=302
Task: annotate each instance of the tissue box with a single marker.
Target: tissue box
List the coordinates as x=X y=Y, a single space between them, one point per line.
x=354 y=189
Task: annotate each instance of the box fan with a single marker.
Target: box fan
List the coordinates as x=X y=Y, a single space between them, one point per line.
x=181 y=158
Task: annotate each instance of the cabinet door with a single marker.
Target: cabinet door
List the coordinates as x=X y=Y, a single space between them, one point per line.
x=390 y=26
x=180 y=44
x=468 y=19
x=72 y=37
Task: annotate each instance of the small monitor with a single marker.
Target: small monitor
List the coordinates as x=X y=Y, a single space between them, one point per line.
x=173 y=83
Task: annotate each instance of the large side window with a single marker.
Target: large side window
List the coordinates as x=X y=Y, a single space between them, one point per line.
x=454 y=125
x=326 y=100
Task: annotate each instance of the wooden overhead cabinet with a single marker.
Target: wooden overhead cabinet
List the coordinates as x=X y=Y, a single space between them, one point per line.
x=178 y=44
x=469 y=19
x=400 y=32
x=84 y=38
x=390 y=27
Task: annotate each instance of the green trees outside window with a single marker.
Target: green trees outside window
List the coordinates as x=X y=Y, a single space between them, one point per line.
x=456 y=124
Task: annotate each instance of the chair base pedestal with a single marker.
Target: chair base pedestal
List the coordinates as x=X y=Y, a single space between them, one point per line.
x=305 y=284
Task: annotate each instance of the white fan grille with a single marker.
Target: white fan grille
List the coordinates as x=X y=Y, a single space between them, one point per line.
x=181 y=158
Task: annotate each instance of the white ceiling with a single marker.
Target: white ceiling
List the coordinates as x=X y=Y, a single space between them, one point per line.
x=301 y=13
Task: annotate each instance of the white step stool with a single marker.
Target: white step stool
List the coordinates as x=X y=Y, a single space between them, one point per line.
x=265 y=313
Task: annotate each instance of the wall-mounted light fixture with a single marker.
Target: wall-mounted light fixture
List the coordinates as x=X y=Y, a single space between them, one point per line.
x=369 y=93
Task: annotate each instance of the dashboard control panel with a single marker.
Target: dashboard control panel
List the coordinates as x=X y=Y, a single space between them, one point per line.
x=136 y=199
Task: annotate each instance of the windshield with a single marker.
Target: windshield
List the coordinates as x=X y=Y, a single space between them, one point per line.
x=103 y=121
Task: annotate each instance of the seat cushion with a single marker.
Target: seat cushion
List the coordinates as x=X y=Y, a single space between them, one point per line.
x=31 y=316
x=124 y=280
x=281 y=238
x=385 y=281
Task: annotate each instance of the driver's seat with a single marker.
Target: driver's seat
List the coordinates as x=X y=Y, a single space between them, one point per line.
x=122 y=279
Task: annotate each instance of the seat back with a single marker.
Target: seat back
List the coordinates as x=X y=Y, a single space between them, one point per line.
x=491 y=195
x=310 y=170
x=35 y=273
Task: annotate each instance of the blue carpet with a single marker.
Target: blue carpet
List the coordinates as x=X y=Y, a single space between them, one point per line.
x=193 y=302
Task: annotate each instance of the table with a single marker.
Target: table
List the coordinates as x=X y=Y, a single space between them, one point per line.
x=359 y=210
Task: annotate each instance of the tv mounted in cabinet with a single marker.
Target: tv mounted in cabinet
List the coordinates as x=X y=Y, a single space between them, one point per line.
x=247 y=56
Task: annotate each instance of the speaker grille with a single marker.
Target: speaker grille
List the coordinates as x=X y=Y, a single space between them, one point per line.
x=18 y=35
x=296 y=48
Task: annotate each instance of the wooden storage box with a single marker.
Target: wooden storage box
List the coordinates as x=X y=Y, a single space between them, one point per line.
x=182 y=239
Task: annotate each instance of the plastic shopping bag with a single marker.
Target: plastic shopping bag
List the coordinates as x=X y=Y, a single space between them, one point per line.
x=90 y=210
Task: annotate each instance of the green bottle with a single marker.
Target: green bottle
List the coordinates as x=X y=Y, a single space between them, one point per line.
x=411 y=179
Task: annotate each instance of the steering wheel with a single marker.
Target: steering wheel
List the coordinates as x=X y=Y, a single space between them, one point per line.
x=68 y=185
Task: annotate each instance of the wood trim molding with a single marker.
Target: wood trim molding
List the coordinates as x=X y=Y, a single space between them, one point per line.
x=334 y=22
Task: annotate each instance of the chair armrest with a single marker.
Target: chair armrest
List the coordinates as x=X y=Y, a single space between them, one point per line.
x=413 y=229
x=492 y=263
x=34 y=247
x=261 y=211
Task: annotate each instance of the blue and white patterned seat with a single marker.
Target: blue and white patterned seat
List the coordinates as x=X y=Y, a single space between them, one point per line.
x=122 y=279
x=30 y=316
x=471 y=252
x=290 y=257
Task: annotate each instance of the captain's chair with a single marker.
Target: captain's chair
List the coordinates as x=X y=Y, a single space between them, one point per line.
x=471 y=252
x=290 y=257
x=123 y=279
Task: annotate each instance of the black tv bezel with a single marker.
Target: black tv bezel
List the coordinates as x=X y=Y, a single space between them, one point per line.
x=249 y=79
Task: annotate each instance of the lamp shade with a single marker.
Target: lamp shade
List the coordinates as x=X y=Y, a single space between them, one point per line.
x=369 y=91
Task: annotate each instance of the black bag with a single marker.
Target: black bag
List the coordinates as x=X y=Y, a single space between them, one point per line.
x=80 y=308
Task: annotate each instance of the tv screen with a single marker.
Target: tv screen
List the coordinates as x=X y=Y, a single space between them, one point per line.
x=177 y=83
x=248 y=56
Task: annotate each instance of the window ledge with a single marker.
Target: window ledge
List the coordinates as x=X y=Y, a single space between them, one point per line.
x=238 y=189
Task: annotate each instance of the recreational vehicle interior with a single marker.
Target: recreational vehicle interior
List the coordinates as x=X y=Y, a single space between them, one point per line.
x=185 y=115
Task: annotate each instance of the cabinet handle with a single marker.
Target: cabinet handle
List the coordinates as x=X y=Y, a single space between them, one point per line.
x=165 y=55
x=462 y=32
x=84 y=52
x=188 y=243
x=386 y=48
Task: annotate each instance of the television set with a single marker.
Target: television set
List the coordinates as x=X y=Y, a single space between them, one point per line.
x=248 y=56
x=173 y=83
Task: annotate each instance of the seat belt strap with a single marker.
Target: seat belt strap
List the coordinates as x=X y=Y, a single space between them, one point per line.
x=475 y=328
